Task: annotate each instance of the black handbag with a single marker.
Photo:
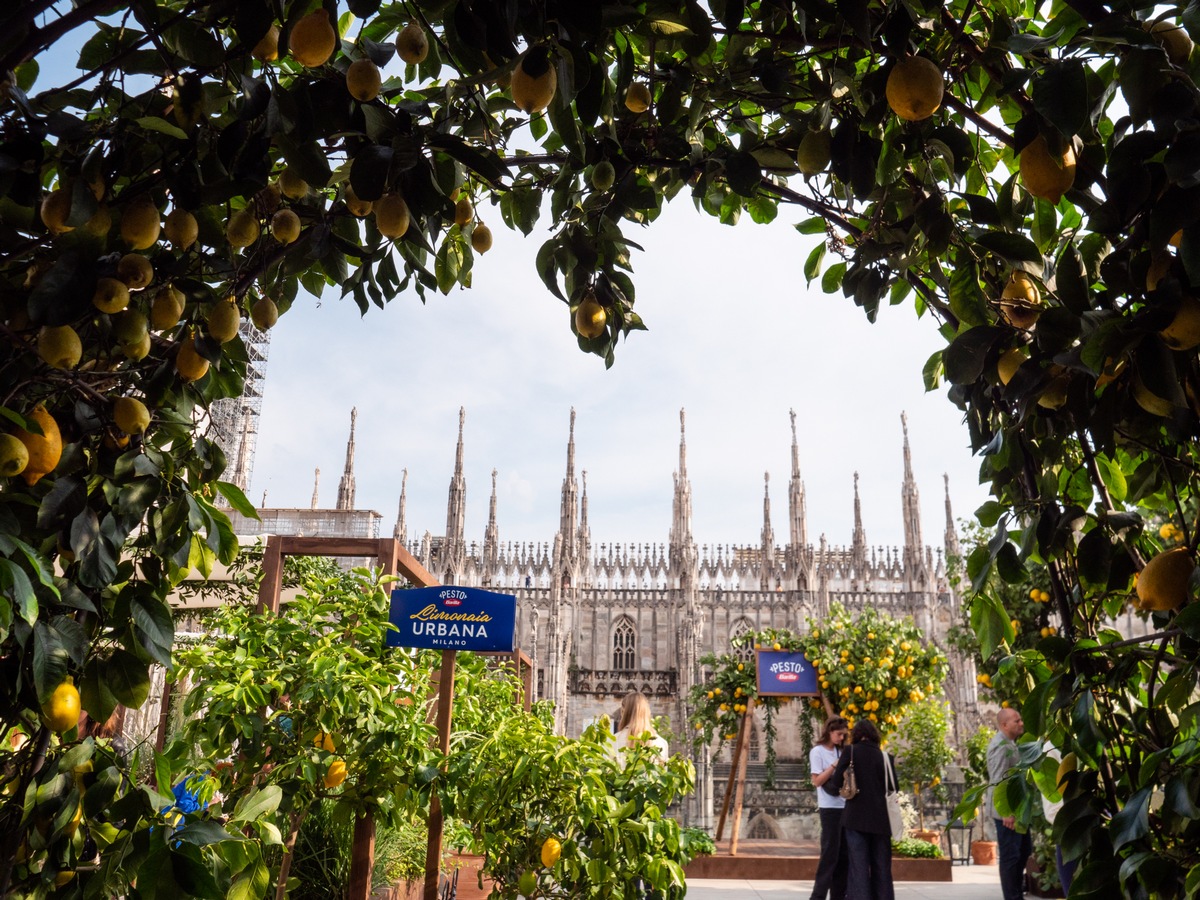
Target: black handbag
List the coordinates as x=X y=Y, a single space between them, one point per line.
x=849 y=783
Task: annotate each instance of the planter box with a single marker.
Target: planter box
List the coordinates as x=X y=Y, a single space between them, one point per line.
x=801 y=868
x=468 y=868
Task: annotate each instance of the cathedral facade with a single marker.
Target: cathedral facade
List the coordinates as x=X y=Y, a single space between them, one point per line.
x=599 y=620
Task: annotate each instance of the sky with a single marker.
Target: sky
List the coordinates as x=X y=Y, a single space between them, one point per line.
x=736 y=338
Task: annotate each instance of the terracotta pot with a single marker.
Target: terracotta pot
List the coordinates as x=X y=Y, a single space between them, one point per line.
x=983 y=853
x=929 y=837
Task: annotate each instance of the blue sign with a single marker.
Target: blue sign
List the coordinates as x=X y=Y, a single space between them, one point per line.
x=783 y=673
x=453 y=618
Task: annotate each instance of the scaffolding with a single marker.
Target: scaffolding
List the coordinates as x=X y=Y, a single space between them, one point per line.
x=233 y=422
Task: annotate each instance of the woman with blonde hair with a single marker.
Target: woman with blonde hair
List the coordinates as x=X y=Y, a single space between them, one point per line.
x=635 y=727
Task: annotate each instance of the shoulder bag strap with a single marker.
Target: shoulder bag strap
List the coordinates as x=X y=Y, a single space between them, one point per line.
x=889 y=774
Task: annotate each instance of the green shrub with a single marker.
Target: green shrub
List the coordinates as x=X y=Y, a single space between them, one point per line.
x=697 y=842
x=915 y=849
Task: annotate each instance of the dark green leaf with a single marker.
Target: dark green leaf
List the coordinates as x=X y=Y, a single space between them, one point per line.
x=743 y=174
x=966 y=356
x=127 y=678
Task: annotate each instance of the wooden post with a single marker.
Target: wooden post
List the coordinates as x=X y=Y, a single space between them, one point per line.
x=743 y=737
x=445 y=706
x=272 y=582
x=362 y=856
x=740 y=765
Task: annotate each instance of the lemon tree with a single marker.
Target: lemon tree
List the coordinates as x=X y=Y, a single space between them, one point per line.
x=1037 y=206
x=923 y=749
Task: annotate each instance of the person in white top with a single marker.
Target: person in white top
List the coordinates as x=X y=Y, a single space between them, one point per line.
x=635 y=727
x=822 y=760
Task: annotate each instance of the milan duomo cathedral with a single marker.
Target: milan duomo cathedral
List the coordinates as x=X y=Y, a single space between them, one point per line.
x=599 y=620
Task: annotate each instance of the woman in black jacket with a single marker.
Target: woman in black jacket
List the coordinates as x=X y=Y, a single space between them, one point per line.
x=865 y=819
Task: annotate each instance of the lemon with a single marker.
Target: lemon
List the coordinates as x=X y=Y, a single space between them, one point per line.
x=56 y=207
x=590 y=318
x=391 y=215
x=356 y=206
x=242 y=229
x=1068 y=765
x=14 y=456
x=60 y=712
x=59 y=346
x=181 y=228
x=1174 y=40
x=534 y=81
x=224 y=320
x=267 y=48
x=324 y=740
x=292 y=185
x=1021 y=301
x=1163 y=584
x=551 y=851
x=44 y=449
x=335 y=774
x=167 y=308
x=412 y=44
x=481 y=238
x=637 y=97
x=313 y=39
x=1150 y=401
x=135 y=270
x=363 y=80
x=814 y=152
x=264 y=313
x=915 y=87
x=131 y=415
x=285 y=226
x=604 y=175
x=190 y=365
x=140 y=223
x=129 y=326
x=111 y=295
x=464 y=211
x=137 y=349
x=100 y=223
x=1046 y=175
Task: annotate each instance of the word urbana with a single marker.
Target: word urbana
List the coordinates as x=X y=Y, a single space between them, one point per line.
x=439 y=623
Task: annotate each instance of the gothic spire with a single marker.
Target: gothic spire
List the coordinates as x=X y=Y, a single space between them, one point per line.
x=768 y=534
x=583 y=518
x=951 y=539
x=491 y=537
x=400 y=532
x=797 y=506
x=910 y=499
x=241 y=470
x=316 y=487
x=346 y=488
x=456 y=502
x=860 y=535
x=681 y=505
x=568 y=513
x=682 y=445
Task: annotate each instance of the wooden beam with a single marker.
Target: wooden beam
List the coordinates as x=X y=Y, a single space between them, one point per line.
x=445 y=705
x=272 y=581
x=740 y=765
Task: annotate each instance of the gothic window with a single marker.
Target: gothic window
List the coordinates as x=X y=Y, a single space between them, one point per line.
x=737 y=629
x=624 y=644
x=762 y=828
x=755 y=745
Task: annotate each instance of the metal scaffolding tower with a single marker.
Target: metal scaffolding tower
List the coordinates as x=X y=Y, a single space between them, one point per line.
x=234 y=421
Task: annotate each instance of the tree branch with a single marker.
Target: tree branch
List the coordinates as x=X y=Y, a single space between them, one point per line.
x=41 y=38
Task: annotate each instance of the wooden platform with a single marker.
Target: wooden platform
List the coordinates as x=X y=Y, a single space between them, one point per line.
x=788 y=861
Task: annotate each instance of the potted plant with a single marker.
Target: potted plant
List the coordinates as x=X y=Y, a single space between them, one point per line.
x=922 y=754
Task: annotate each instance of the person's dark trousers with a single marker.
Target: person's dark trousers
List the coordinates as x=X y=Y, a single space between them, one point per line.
x=870 y=866
x=1066 y=870
x=1014 y=851
x=831 y=870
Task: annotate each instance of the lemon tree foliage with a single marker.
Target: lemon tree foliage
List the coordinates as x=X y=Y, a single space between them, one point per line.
x=871 y=666
x=561 y=817
x=922 y=748
x=1038 y=205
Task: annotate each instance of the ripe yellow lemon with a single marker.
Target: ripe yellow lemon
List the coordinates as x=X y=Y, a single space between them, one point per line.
x=64 y=877
x=111 y=295
x=814 y=152
x=224 y=320
x=242 y=229
x=1044 y=174
x=335 y=774
x=412 y=44
x=1054 y=395
x=324 y=740
x=56 y=207
x=363 y=80
x=59 y=346
x=285 y=226
x=190 y=365
x=534 y=81
x=1163 y=583
x=181 y=228
x=135 y=270
x=14 y=456
x=100 y=223
x=1174 y=40
x=391 y=215
x=137 y=349
x=1021 y=301
x=140 y=223
x=264 y=313
x=914 y=88
x=129 y=326
x=292 y=185
x=1068 y=765
x=637 y=97
x=357 y=207
x=551 y=851
x=1184 y=331
x=44 y=449
x=590 y=318
x=167 y=308
x=267 y=48
x=313 y=39
x=464 y=211
x=131 y=415
x=60 y=712
x=481 y=238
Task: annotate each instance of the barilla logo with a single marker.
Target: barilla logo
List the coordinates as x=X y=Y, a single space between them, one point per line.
x=452 y=598
x=788 y=676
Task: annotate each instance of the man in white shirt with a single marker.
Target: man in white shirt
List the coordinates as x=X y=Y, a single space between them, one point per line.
x=822 y=761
